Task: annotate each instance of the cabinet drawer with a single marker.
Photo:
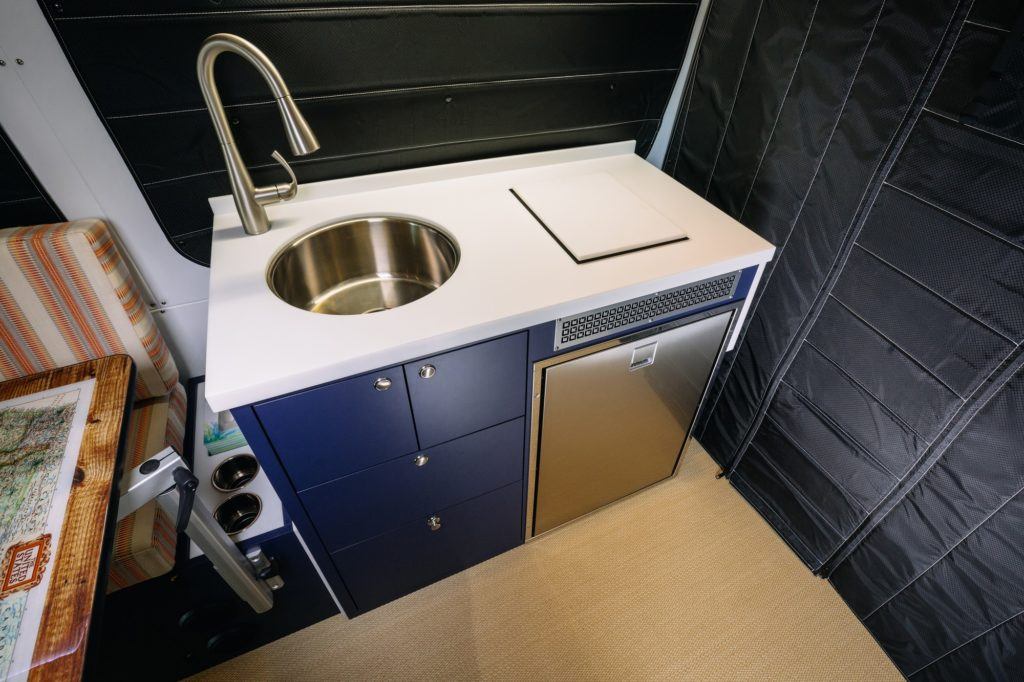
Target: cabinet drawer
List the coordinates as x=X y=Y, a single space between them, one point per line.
x=413 y=556
x=383 y=497
x=334 y=430
x=469 y=389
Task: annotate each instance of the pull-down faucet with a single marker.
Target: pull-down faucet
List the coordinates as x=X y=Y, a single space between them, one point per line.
x=250 y=199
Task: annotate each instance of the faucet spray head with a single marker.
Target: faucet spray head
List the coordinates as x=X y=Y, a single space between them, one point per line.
x=300 y=135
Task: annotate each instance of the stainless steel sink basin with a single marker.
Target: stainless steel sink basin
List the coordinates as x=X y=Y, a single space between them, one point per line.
x=364 y=265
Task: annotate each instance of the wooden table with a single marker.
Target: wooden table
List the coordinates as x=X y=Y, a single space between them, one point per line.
x=79 y=496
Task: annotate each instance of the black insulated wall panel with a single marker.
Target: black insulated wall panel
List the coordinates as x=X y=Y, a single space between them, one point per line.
x=810 y=180
x=874 y=409
x=385 y=85
x=23 y=201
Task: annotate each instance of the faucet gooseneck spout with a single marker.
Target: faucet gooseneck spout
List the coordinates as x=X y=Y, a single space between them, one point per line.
x=249 y=199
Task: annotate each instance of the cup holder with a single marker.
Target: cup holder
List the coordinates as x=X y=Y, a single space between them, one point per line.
x=235 y=472
x=238 y=512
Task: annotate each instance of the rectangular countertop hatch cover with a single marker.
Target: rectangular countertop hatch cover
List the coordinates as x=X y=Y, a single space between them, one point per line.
x=594 y=215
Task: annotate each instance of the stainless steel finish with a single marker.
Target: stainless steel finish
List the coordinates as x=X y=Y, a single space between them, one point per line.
x=249 y=199
x=235 y=472
x=420 y=460
x=258 y=558
x=382 y=384
x=231 y=565
x=146 y=481
x=271 y=194
x=363 y=265
x=613 y=419
x=434 y=523
x=154 y=479
x=427 y=371
x=260 y=562
x=238 y=512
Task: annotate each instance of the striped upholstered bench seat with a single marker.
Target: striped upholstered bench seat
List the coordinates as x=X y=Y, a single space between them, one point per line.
x=66 y=296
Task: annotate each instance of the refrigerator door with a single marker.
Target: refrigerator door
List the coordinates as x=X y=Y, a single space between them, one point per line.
x=614 y=420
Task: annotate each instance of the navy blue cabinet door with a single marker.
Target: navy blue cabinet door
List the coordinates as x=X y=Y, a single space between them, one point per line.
x=396 y=563
x=384 y=497
x=334 y=430
x=465 y=390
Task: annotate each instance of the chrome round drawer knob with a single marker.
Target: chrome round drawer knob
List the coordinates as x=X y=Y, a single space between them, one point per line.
x=434 y=523
x=427 y=371
x=420 y=460
x=382 y=384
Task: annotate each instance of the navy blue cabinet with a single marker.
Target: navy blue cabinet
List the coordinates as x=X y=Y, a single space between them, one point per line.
x=340 y=428
x=468 y=389
x=404 y=475
x=428 y=549
x=383 y=497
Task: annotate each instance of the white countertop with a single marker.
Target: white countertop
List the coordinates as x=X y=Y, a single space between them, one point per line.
x=511 y=274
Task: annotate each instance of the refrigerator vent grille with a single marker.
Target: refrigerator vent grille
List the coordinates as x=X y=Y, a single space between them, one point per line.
x=614 y=319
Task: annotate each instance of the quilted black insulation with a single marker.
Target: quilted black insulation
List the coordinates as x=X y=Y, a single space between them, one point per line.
x=874 y=409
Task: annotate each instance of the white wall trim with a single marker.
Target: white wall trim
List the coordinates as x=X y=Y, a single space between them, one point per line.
x=660 y=147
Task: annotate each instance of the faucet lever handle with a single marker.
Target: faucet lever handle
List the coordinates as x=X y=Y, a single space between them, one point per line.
x=271 y=194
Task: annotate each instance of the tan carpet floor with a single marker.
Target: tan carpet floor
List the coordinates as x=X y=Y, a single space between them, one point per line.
x=684 y=581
